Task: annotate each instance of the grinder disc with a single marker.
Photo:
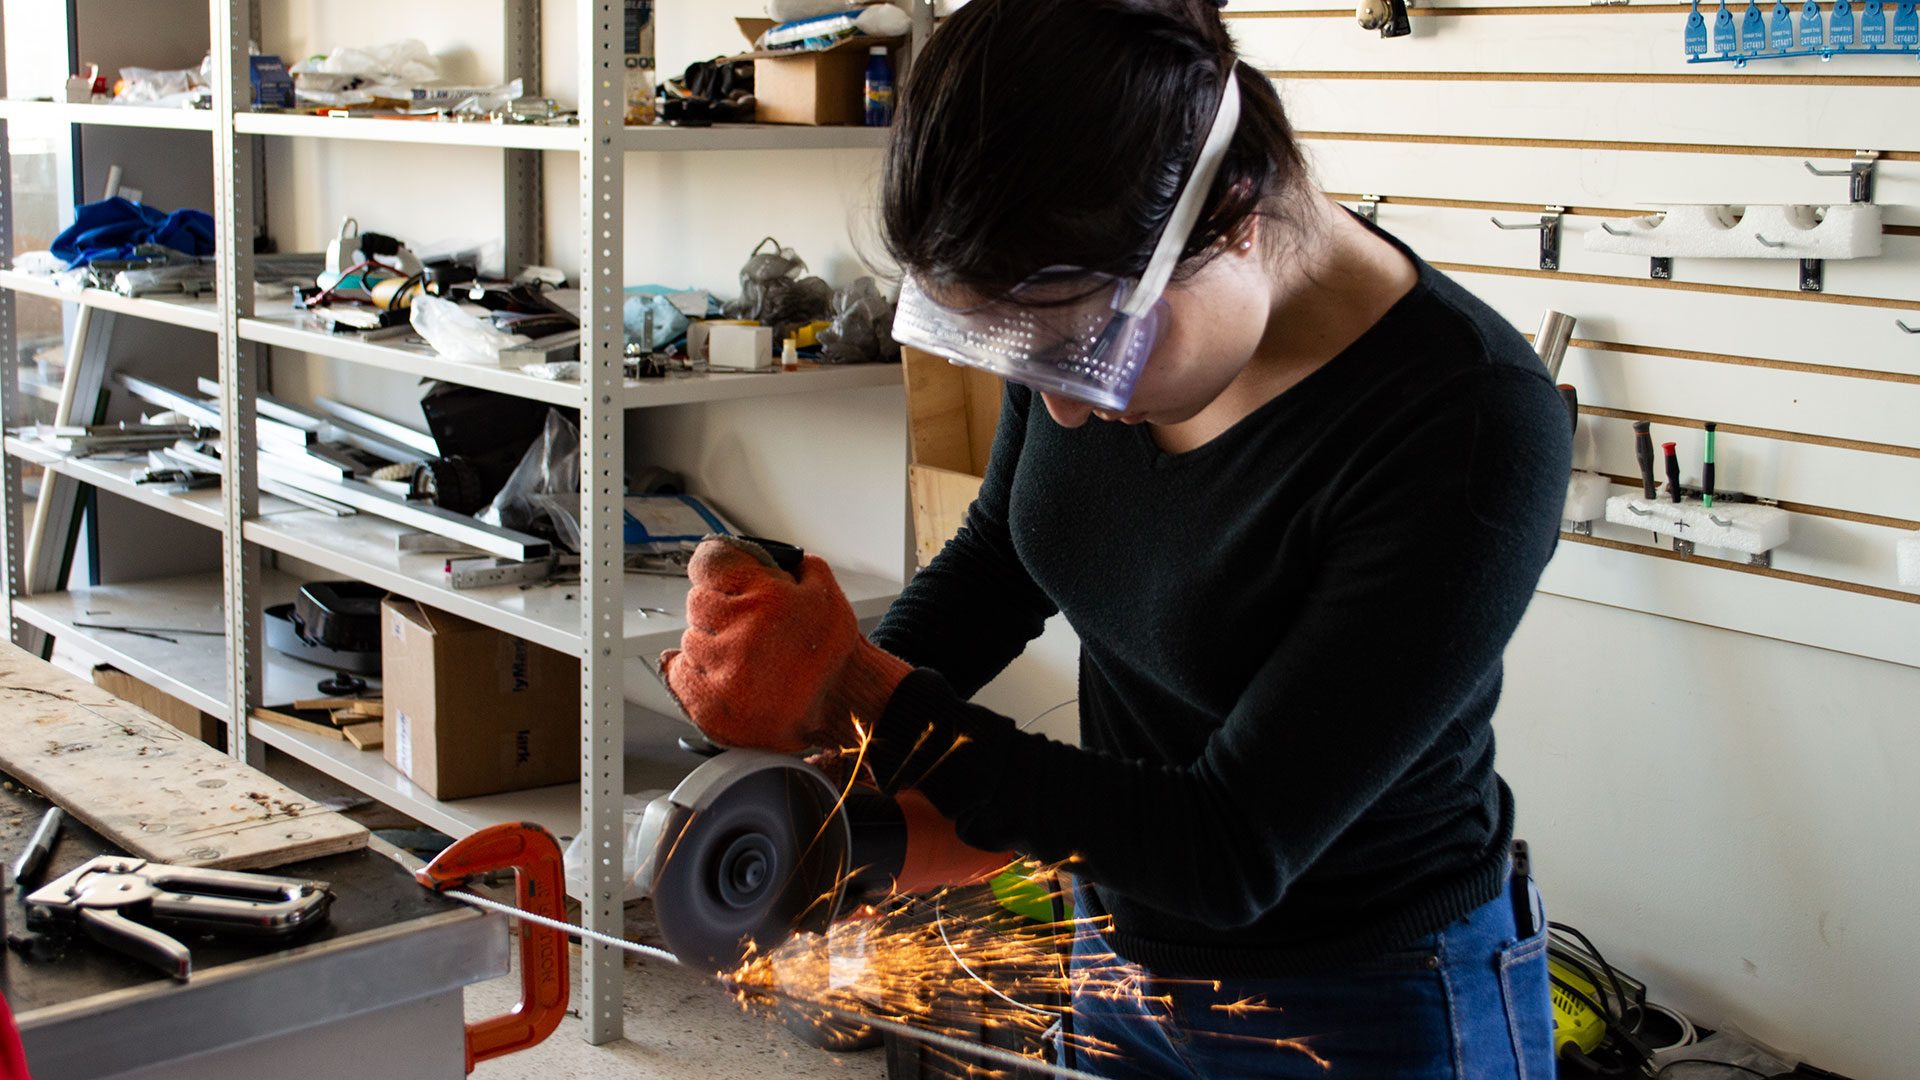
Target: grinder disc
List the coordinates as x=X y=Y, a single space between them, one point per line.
x=758 y=863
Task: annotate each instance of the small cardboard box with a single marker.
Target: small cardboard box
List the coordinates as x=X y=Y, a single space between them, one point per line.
x=826 y=87
x=471 y=710
x=203 y=726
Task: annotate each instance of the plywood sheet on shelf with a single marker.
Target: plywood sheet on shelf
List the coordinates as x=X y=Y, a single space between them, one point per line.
x=147 y=786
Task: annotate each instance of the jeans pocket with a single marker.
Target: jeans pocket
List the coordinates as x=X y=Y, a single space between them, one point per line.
x=1524 y=991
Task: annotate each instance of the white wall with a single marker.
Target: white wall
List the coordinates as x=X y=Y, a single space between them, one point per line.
x=1731 y=818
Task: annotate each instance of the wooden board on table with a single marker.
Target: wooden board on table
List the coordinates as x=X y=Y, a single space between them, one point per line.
x=147 y=786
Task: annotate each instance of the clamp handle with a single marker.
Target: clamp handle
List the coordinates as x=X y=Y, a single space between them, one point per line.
x=532 y=853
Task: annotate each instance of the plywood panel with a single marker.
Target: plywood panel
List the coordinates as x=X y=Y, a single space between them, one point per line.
x=940 y=501
x=147 y=786
x=1841 y=117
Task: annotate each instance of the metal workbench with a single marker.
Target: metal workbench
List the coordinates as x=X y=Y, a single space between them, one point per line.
x=375 y=991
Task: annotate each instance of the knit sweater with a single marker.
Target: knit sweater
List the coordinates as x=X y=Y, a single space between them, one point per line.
x=1291 y=645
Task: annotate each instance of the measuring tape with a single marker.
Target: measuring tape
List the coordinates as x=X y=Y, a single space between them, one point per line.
x=931 y=1038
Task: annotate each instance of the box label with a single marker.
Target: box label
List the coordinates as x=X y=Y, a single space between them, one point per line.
x=519 y=672
x=403 y=740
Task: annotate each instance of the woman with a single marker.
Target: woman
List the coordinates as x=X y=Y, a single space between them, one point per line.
x=1294 y=508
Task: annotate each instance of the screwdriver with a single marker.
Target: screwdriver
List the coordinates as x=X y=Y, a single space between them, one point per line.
x=1673 y=469
x=1643 y=449
x=26 y=869
x=1706 y=469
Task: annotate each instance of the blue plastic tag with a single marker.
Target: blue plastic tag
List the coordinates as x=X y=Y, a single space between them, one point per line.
x=1873 y=25
x=1726 y=40
x=1780 y=28
x=1697 y=30
x=1753 y=29
x=1812 y=30
x=1840 y=25
x=1906 y=25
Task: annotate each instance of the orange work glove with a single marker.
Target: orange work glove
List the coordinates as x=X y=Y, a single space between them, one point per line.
x=772 y=660
x=936 y=857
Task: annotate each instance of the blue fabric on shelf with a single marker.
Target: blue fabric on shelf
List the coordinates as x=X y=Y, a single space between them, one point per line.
x=113 y=228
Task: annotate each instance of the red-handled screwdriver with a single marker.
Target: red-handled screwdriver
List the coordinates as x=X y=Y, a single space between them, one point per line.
x=1673 y=469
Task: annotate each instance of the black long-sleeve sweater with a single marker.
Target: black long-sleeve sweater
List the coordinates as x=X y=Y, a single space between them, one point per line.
x=1291 y=646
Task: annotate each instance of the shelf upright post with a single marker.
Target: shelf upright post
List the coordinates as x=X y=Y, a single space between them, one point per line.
x=234 y=214
x=524 y=204
x=602 y=489
x=13 y=519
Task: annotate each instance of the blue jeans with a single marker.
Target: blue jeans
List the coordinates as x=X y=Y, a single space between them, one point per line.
x=1467 y=1003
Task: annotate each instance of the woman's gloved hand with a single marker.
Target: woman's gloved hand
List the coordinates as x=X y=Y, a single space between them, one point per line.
x=773 y=660
x=936 y=857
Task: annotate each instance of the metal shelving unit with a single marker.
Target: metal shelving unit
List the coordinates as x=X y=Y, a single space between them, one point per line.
x=600 y=618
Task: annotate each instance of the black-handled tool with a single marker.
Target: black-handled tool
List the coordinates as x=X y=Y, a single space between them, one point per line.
x=1673 y=469
x=784 y=555
x=26 y=869
x=1643 y=449
x=1572 y=398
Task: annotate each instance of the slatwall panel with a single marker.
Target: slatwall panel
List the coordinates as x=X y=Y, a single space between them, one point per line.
x=1496 y=112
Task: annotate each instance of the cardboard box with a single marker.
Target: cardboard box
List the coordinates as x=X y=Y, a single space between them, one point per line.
x=828 y=87
x=471 y=710
x=951 y=415
x=203 y=726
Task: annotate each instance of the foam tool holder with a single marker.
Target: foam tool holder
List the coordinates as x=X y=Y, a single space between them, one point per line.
x=1749 y=528
x=1706 y=231
x=1781 y=32
x=1586 y=500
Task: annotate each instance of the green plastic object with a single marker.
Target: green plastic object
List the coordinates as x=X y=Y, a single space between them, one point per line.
x=1019 y=893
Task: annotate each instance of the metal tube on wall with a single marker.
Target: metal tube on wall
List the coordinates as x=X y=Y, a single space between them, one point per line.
x=1550 y=341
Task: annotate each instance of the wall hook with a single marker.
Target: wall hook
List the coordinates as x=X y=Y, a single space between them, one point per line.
x=1769 y=243
x=1608 y=226
x=1860 y=172
x=1549 y=226
x=1902 y=324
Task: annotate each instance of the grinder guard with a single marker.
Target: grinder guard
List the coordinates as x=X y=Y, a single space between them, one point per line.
x=751 y=847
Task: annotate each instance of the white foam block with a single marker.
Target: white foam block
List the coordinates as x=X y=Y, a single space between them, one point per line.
x=1743 y=527
x=1844 y=231
x=1586 y=497
x=1907 y=554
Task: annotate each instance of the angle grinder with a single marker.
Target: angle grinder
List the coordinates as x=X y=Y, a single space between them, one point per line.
x=754 y=846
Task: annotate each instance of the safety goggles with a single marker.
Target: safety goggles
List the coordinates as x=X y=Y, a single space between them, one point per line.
x=1076 y=333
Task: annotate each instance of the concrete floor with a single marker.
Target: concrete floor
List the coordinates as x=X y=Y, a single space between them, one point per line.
x=678 y=1025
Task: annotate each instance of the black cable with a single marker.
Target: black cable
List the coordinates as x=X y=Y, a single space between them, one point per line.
x=1619 y=994
x=1710 y=1061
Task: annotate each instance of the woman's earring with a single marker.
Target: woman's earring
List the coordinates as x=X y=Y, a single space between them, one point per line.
x=1246 y=245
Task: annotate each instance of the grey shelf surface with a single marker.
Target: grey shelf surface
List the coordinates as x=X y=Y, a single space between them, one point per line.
x=112 y=115
x=651 y=139
x=192 y=667
x=196 y=314
x=363 y=548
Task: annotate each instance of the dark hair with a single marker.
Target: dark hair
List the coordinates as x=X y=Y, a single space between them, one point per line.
x=1059 y=132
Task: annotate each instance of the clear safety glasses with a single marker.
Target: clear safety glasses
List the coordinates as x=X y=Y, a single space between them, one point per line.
x=1076 y=333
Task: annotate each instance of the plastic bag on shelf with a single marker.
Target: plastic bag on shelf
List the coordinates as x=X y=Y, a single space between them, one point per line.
x=145 y=86
x=669 y=324
x=862 y=330
x=772 y=291
x=355 y=75
x=544 y=487
x=456 y=335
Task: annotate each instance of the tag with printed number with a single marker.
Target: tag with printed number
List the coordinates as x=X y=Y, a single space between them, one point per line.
x=1906 y=25
x=1840 y=25
x=1812 y=30
x=1697 y=31
x=1780 y=28
x=1753 y=29
x=1873 y=25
